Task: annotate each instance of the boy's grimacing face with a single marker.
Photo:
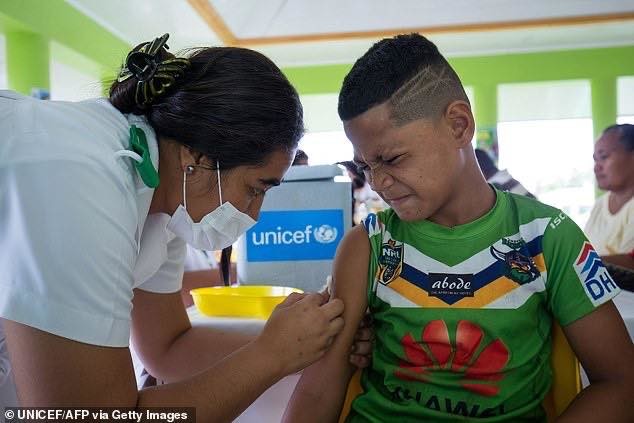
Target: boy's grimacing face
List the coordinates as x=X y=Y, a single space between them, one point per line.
x=413 y=167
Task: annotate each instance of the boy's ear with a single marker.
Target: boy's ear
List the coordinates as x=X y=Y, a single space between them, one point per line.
x=461 y=123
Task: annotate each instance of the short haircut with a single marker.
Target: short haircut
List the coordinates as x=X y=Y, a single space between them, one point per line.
x=625 y=132
x=409 y=72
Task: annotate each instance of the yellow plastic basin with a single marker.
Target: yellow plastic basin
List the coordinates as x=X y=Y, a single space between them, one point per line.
x=255 y=301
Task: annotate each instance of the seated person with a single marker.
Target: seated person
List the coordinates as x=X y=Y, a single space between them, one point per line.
x=364 y=200
x=501 y=179
x=463 y=281
x=610 y=227
x=301 y=158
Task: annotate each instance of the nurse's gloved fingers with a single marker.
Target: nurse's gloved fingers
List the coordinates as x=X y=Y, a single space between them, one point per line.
x=314 y=298
x=333 y=308
x=292 y=299
x=335 y=327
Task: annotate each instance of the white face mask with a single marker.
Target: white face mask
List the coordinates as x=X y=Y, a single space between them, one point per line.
x=216 y=230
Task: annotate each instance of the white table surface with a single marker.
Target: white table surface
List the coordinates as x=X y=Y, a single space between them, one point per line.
x=269 y=407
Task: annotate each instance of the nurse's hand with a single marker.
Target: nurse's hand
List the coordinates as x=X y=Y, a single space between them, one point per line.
x=300 y=330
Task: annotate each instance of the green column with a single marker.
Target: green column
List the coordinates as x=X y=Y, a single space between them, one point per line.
x=27 y=61
x=486 y=117
x=603 y=103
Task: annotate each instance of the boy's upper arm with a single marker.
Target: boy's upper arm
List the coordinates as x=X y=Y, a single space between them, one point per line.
x=577 y=281
x=322 y=387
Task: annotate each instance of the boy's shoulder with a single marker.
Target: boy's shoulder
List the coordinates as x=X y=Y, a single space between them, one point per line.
x=527 y=207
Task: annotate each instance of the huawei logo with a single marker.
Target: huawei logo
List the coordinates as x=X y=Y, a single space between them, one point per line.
x=480 y=368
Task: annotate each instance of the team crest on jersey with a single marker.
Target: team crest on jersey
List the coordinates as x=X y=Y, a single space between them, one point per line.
x=517 y=266
x=391 y=261
x=593 y=275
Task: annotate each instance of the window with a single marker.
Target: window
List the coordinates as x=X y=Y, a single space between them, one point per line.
x=325 y=141
x=545 y=142
x=73 y=77
x=71 y=84
x=625 y=100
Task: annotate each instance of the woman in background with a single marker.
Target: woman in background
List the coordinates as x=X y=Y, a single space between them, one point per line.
x=611 y=224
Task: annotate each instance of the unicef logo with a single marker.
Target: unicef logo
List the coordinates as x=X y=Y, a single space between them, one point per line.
x=325 y=234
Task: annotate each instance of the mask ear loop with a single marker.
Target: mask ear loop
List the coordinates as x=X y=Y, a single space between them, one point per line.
x=218 y=175
x=188 y=169
x=184 y=192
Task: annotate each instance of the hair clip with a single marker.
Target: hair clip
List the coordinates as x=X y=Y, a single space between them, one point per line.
x=142 y=62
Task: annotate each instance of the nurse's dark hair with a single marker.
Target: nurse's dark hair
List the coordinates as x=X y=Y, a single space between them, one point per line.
x=409 y=73
x=230 y=104
x=625 y=132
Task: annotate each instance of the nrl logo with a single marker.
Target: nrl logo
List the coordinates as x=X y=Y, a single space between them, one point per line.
x=391 y=261
x=517 y=266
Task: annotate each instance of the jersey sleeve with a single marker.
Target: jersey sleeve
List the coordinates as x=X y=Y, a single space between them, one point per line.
x=374 y=228
x=67 y=247
x=577 y=280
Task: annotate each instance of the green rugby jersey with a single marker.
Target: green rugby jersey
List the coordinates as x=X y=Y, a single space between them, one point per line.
x=462 y=315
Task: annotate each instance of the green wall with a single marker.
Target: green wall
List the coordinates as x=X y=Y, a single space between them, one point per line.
x=492 y=70
x=30 y=26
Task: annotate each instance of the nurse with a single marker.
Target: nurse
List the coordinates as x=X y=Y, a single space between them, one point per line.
x=98 y=200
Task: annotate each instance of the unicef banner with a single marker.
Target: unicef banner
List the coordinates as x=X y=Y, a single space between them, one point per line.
x=295 y=235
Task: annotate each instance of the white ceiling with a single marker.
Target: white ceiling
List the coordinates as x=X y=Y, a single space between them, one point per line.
x=141 y=20
x=257 y=18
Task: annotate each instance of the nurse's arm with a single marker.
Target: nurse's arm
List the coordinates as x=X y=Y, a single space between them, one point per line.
x=169 y=347
x=53 y=371
x=321 y=390
x=606 y=352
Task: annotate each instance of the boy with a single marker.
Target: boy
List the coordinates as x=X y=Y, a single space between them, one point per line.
x=462 y=280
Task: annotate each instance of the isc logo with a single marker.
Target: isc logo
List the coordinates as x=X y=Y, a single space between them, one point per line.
x=593 y=274
x=295 y=235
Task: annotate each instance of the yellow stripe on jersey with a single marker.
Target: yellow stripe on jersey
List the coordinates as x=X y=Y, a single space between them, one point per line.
x=493 y=291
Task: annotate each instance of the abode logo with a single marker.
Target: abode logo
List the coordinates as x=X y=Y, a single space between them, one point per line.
x=295 y=235
x=593 y=274
x=451 y=287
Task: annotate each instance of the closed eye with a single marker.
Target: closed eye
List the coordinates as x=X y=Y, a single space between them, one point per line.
x=393 y=159
x=255 y=192
x=361 y=167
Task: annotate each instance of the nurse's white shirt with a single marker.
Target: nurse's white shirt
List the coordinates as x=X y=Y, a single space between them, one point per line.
x=75 y=238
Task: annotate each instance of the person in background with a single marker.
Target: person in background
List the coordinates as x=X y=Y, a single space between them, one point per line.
x=200 y=270
x=364 y=200
x=463 y=280
x=501 y=179
x=611 y=223
x=301 y=158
